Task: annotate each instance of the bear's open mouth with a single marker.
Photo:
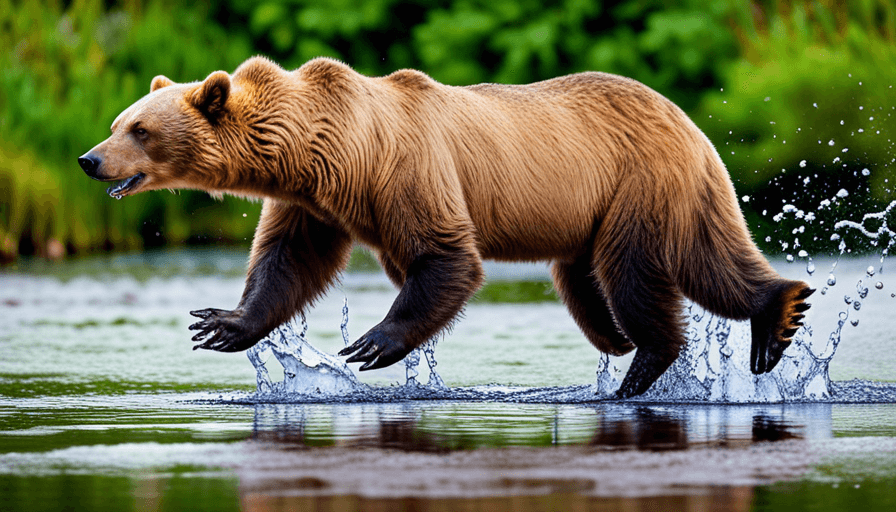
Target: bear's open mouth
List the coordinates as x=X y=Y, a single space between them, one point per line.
x=124 y=186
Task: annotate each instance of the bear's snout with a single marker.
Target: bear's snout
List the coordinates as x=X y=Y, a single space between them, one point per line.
x=90 y=164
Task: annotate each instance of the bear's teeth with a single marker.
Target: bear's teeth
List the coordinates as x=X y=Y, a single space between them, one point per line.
x=117 y=190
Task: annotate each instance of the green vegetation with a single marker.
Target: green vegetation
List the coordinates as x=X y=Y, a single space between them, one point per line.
x=750 y=73
x=515 y=292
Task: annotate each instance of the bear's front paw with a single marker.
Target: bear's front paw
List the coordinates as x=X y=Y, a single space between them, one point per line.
x=376 y=349
x=229 y=331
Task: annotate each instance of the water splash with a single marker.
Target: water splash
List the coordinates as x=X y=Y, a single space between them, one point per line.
x=309 y=371
x=607 y=377
x=306 y=370
x=714 y=366
x=412 y=361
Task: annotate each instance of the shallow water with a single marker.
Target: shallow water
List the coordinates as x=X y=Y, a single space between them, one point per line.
x=103 y=403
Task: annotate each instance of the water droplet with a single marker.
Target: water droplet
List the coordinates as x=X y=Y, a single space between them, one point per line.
x=835 y=237
x=842 y=193
x=810 y=267
x=802 y=163
x=790 y=258
x=824 y=290
x=832 y=280
x=879 y=285
x=745 y=199
x=865 y=172
x=847 y=299
x=831 y=142
x=869 y=271
x=802 y=254
x=841 y=122
x=855 y=322
x=857 y=305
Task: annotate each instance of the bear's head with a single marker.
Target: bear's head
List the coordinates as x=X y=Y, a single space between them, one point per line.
x=166 y=140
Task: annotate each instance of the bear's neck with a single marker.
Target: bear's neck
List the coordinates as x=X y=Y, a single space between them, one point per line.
x=313 y=154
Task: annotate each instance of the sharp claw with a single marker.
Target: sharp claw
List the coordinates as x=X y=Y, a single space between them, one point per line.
x=805 y=292
x=796 y=318
x=353 y=347
x=801 y=306
x=369 y=365
x=196 y=326
x=788 y=333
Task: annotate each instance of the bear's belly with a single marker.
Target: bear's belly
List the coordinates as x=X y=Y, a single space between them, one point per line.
x=532 y=237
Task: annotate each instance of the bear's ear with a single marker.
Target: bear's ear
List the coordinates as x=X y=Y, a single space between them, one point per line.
x=159 y=82
x=211 y=96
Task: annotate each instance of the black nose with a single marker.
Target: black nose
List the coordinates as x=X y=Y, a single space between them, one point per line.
x=90 y=164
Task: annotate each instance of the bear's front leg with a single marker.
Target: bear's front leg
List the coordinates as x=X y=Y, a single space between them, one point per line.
x=436 y=288
x=294 y=259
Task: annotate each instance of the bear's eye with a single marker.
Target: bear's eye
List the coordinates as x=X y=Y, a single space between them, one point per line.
x=141 y=133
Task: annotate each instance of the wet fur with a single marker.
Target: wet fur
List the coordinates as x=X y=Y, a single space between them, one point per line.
x=595 y=172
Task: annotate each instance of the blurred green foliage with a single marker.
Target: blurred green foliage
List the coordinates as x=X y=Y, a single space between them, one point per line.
x=749 y=73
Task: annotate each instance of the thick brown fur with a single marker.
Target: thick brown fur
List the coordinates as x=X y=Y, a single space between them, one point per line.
x=595 y=172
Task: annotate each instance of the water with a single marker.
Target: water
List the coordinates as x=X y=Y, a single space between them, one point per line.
x=103 y=403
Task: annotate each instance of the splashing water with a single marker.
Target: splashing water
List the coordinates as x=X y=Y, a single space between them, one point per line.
x=412 y=361
x=306 y=370
x=309 y=371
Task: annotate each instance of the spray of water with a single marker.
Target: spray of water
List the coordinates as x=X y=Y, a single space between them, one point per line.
x=309 y=371
x=306 y=370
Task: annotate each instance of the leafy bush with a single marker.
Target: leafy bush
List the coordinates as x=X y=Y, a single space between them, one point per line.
x=808 y=111
x=749 y=72
x=67 y=74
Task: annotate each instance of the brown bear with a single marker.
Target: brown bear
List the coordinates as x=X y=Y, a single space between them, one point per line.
x=596 y=173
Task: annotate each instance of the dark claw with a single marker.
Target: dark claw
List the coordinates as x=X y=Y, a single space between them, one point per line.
x=382 y=361
x=372 y=350
x=376 y=350
x=796 y=319
x=801 y=306
x=369 y=365
x=205 y=313
x=805 y=293
x=353 y=347
x=788 y=333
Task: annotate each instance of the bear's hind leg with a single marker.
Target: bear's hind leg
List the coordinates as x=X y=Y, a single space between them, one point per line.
x=577 y=288
x=646 y=304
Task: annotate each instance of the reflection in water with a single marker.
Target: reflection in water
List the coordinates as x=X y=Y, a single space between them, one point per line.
x=441 y=426
x=646 y=429
x=718 y=498
x=668 y=457
x=767 y=428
